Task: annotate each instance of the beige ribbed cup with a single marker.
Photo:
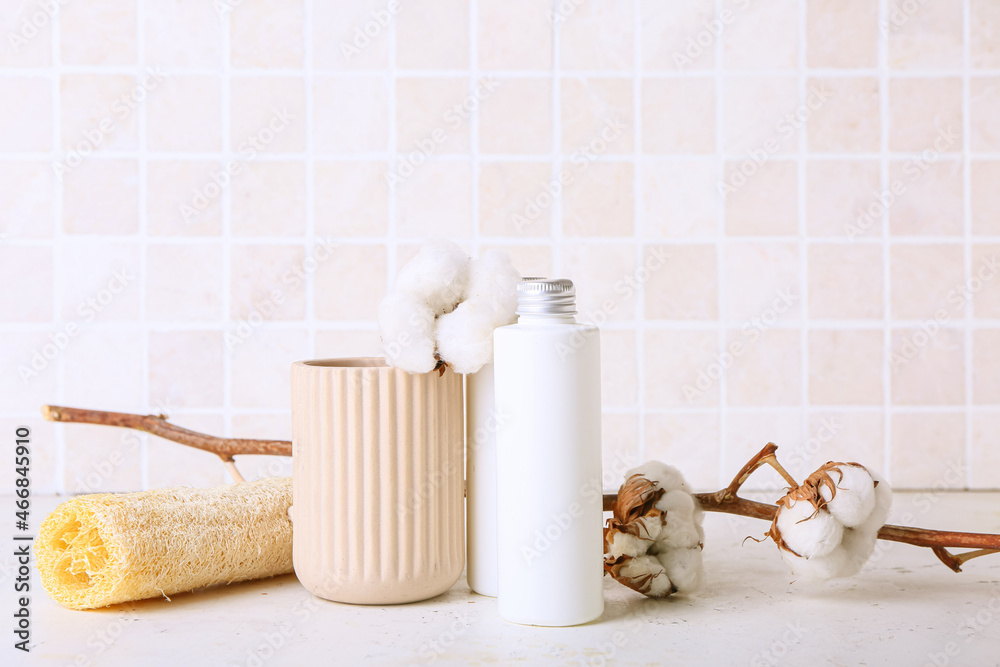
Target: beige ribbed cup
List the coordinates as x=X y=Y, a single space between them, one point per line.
x=377 y=497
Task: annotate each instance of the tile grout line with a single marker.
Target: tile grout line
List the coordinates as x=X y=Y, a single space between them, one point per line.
x=638 y=223
x=391 y=242
x=226 y=237
x=474 y=123
x=720 y=243
x=556 y=210
x=967 y=227
x=143 y=238
x=803 y=244
x=883 y=77
x=57 y=245
x=310 y=238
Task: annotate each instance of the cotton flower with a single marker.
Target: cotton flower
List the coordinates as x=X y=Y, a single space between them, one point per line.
x=828 y=526
x=444 y=308
x=653 y=543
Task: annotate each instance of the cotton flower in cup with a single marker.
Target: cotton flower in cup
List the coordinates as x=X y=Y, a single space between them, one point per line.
x=827 y=526
x=653 y=542
x=444 y=307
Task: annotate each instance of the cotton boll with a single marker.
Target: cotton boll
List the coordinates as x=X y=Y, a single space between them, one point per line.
x=465 y=336
x=683 y=566
x=666 y=476
x=677 y=503
x=623 y=544
x=679 y=533
x=855 y=497
x=883 y=503
x=649 y=570
x=493 y=279
x=407 y=331
x=808 y=532
x=650 y=527
x=438 y=275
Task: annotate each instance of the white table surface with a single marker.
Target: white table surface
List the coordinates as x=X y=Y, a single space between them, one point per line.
x=904 y=609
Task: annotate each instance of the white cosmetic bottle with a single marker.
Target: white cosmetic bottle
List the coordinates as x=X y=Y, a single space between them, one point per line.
x=481 y=482
x=547 y=374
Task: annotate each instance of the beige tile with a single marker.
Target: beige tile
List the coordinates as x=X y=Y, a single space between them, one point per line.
x=184 y=282
x=983 y=285
x=185 y=368
x=269 y=199
x=921 y=277
x=515 y=198
x=690 y=442
x=927 y=366
x=845 y=281
x=925 y=35
x=103 y=370
x=184 y=198
x=27 y=190
x=748 y=432
x=169 y=464
x=619 y=369
x=761 y=200
x=931 y=199
x=756 y=112
x=267 y=114
x=514 y=35
x=101 y=197
x=100 y=112
x=351 y=198
x=430 y=116
x=276 y=427
x=185 y=114
x=742 y=45
x=27 y=273
x=352 y=34
x=351 y=114
x=985 y=197
x=839 y=436
x=619 y=446
x=529 y=260
x=678 y=115
x=45 y=474
x=985 y=463
x=682 y=368
x=28 y=33
x=98 y=33
x=844 y=116
x=599 y=200
x=984 y=108
x=27 y=125
x=596 y=35
x=99 y=281
x=265 y=283
x=516 y=117
x=984 y=17
x=260 y=367
x=674 y=36
x=267 y=33
x=761 y=279
x=842 y=33
x=102 y=459
x=347 y=343
x=589 y=105
x=842 y=198
x=679 y=198
x=927 y=451
x=185 y=34
x=435 y=201
x=433 y=34
x=682 y=282
x=985 y=361
x=845 y=367
x=605 y=279
x=769 y=369
x=29 y=364
x=925 y=114
x=358 y=265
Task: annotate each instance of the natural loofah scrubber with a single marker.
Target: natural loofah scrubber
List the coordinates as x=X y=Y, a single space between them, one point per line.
x=102 y=549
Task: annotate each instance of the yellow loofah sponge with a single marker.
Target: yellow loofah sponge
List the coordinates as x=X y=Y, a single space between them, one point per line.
x=102 y=549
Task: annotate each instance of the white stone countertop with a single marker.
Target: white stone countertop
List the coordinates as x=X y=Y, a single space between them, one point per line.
x=905 y=608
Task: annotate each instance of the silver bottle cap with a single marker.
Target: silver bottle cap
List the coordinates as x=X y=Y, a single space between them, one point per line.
x=546 y=296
